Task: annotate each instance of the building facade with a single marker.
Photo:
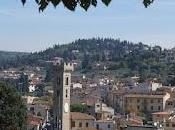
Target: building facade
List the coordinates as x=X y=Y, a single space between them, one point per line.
x=145 y=102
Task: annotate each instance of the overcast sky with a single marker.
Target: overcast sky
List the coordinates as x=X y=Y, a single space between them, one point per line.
x=25 y=29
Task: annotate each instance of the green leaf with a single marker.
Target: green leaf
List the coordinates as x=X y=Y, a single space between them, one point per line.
x=147 y=2
x=106 y=2
x=55 y=2
x=85 y=4
x=70 y=4
x=94 y=3
x=23 y=1
x=43 y=4
x=37 y=1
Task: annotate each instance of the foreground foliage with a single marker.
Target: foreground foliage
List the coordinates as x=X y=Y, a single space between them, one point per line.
x=12 y=109
x=72 y=4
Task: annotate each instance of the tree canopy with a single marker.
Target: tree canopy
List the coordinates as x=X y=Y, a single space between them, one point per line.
x=72 y=4
x=12 y=109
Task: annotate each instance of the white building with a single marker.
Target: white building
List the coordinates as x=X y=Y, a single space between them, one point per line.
x=104 y=125
x=77 y=85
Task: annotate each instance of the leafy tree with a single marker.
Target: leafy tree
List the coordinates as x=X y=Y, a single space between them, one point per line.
x=12 y=109
x=79 y=108
x=72 y=4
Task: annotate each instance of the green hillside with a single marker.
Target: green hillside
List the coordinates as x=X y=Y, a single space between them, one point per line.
x=120 y=58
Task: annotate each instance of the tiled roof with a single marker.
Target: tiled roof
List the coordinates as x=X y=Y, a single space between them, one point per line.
x=161 y=113
x=32 y=120
x=144 y=96
x=81 y=116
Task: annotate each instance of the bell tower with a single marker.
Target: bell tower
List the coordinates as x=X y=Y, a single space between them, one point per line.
x=61 y=98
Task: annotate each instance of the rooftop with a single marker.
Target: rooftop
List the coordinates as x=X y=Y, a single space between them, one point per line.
x=81 y=116
x=144 y=96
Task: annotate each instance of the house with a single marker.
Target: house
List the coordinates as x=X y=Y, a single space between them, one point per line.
x=28 y=99
x=145 y=102
x=104 y=125
x=169 y=124
x=77 y=85
x=103 y=112
x=82 y=121
x=34 y=123
x=160 y=116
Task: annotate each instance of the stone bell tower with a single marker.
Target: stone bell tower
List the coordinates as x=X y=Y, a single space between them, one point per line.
x=61 y=98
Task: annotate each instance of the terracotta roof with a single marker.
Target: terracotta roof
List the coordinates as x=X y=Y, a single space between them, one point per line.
x=161 y=113
x=90 y=128
x=144 y=96
x=104 y=121
x=34 y=120
x=81 y=116
x=134 y=122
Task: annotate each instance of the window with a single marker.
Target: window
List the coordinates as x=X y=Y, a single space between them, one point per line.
x=159 y=100
x=80 y=124
x=58 y=81
x=56 y=122
x=151 y=107
x=167 y=125
x=145 y=108
x=97 y=126
x=152 y=101
x=58 y=93
x=73 y=124
x=138 y=100
x=67 y=81
x=109 y=126
x=87 y=124
x=66 y=93
x=31 y=108
x=173 y=125
x=138 y=107
x=159 y=108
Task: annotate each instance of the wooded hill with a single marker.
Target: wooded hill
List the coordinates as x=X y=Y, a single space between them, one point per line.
x=122 y=57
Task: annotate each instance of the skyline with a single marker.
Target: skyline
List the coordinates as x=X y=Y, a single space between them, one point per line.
x=30 y=30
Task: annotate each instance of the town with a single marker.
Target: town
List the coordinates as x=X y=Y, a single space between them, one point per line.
x=80 y=101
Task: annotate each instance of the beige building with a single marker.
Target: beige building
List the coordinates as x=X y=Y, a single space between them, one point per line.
x=145 y=102
x=169 y=124
x=82 y=121
x=160 y=116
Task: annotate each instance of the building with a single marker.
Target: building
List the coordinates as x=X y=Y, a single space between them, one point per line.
x=115 y=99
x=160 y=116
x=103 y=112
x=28 y=99
x=34 y=123
x=61 y=99
x=82 y=121
x=170 y=104
x=104 y=125
x=145 y=87
x=169 y=124
x=170 y=56
x=145 y=102
x=77 y=85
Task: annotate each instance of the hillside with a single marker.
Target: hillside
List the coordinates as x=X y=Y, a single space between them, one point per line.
x=120 y=58
x=8 y=59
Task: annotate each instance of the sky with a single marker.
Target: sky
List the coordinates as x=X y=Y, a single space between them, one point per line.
x=23 y=28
